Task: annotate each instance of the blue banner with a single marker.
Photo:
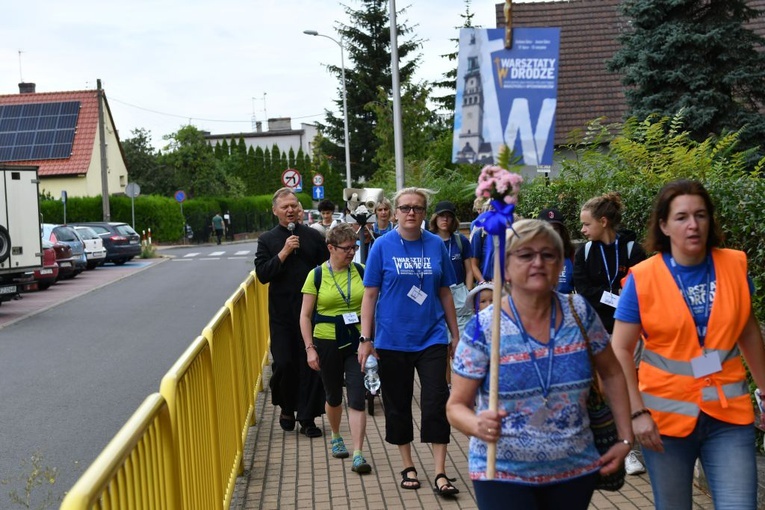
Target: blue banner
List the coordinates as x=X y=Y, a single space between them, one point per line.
x=506 y=97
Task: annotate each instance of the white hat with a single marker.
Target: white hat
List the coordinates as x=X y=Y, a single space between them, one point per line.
x=471 y=297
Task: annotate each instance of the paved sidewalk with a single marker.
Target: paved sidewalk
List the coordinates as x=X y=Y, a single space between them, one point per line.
x=286 y=470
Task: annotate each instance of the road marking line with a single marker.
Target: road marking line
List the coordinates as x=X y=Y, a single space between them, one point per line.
x=242 y=252
x=216 y=253
x=238 y=258
x=181 y=260
x=191 y=254
x=209 y=258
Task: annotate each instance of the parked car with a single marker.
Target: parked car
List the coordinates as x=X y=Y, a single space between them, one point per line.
x=122 y=243
x=95 y=252
x=65 y=261
x=67 y=235
x=311 y=216
x=48 y=274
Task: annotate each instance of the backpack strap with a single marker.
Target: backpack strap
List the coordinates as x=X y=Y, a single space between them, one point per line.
x=630 y=245
x=317 y=317
x=317 y=278
x=458 y=240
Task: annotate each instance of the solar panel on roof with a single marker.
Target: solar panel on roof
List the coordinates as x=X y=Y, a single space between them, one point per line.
x=37 y=130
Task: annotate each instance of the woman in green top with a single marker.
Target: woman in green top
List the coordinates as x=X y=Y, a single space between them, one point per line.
x=329 y=322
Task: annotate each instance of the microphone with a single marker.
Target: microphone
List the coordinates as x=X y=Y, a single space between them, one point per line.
x=291 y=228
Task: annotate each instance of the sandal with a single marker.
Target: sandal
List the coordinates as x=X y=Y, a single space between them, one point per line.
x=407 y=482
x=446 y=489
x=287 y=422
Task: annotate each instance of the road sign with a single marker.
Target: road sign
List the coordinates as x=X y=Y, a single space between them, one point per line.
x=180 y=196
x=132 y=190
x=318 y=192
x=318 y=180
x=291 y=178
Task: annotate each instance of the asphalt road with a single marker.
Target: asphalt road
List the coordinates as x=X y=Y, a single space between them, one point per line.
x=77 y=359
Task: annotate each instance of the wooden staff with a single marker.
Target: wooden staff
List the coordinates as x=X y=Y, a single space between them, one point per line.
x=491 y=452
x=508 y=10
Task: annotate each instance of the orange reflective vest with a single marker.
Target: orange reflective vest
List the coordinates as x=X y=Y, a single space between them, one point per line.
x=667 y=385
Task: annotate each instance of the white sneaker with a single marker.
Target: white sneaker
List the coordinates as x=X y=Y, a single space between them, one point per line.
x=632 y=464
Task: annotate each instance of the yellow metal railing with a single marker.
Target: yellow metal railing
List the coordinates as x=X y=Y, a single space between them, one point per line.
x=183 y=447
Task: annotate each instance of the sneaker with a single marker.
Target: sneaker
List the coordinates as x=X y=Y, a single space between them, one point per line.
x=339 y=451
x=632 y=464
x=360 y=465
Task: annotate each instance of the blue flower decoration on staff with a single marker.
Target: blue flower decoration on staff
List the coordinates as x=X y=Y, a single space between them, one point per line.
x=495 y=222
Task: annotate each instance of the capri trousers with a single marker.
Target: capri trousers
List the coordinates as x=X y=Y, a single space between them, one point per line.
x=336 y=364
x=396 y=370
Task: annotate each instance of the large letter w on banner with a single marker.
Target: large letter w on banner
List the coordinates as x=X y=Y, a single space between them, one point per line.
x=533 y=141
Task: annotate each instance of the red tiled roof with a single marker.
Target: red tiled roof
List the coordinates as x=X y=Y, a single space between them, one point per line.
x=589 y=32
x=85 y=133
x=588 y=37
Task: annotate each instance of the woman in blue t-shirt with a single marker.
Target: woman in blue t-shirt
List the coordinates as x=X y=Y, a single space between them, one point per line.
x=444 y=224
x=409 y=311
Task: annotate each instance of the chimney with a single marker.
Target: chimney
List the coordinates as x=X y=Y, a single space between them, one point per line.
x=26 y=88
x=280 y=124
x=258 y=126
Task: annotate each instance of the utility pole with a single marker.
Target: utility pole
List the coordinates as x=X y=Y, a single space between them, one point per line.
x=398 y=135
x=102 y=146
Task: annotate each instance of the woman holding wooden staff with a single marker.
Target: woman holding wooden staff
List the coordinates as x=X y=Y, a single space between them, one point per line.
x=546 y=457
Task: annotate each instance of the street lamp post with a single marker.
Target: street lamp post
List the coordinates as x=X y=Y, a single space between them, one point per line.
x=345 y=105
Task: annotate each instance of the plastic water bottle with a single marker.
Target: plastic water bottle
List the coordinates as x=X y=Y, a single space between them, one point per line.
x=371 y=377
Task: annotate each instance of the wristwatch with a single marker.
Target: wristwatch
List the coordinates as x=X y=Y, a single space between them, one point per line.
x=363 y=339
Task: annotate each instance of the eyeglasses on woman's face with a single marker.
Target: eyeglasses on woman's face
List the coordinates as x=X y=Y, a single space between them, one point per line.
x=406 y=209
x=347 y=249
x=526 y=256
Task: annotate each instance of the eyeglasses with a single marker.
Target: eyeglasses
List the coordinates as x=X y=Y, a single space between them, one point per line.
x=528 y=256
x=406 y=209
x=347 y=249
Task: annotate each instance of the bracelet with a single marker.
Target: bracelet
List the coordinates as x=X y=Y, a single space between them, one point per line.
x=641 y=413
x=310 y=346
x=625 y=441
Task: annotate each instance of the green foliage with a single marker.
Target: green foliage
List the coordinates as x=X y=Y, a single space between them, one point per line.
x=143 y=164
x=640 y=159
x=698 y=55
x=368 y=67
x=35 y=476
x=450 y=182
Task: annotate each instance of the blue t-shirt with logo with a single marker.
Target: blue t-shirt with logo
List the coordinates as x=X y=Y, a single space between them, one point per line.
x=566 y=278
x=458 y=256
x=695 y=281
x=395 y=266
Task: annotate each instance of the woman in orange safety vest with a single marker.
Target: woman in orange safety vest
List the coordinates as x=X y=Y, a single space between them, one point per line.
x=692 y=302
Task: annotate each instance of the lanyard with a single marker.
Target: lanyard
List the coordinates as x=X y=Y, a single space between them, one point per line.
x=605 y=263
x=347 y=298
x=550 y=346
x=701 y=329
x=451 y=241
x=420 y=270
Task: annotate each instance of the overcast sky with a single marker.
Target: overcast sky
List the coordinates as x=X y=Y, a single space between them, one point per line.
x=165 y=63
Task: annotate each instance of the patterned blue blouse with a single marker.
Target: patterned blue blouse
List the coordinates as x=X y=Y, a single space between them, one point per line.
x=540 y=443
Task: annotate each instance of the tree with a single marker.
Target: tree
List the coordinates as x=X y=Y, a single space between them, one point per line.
x=193 y=167
x=698 y=56
x=142 y=162
x=367 y=42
